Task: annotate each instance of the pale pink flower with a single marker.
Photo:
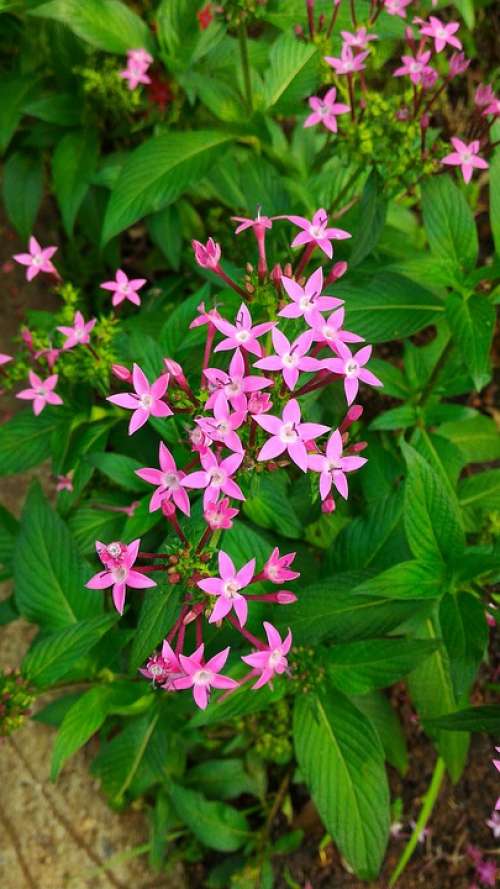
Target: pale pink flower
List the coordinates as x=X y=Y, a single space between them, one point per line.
x=41 y=392
x=4 y=359
x=348 y=62
x=272 y=660
x=124 y=288
x=288 y=434
x=216 y=477
x=222 y=426
x=205 y=316
x=316 y=231
x=494 y=824
x=168 y=480
x=145 y=402
x=120 y=575
x=361 y=38
x=329 y=330
x=227 y=587
x=307 y=299
x=64 y=483
x=235 y=384
x=414 y=67
x=333 y=466
x=138 y=62
x=37 y=260
x=277 y=568
x=396 y=7
x=325 y=110
x=352 y=369
x=290 y=358
x=140 y=57
x=79 y=333
x=163 y=669
x=259 y=403
x=220 y=515
x=201 y=676
x=441 y=33
x=207 y=255
x=242 y=334
x=466 y=157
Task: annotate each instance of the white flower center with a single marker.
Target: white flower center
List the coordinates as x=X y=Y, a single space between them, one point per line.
x=217 y=477
x=415 y=67
x=231 y=588
x=275 y=659
x=79 y=333
x=41 y=392
x=466 y=157
x=170 y=480
x=351 y=368
x=289 y=359
x=123 y=288
x=243 y=335
x=441 y=33
x=273 y=572
x=288 y=434
x=156 y=670
x=329 y=333
x=333 y=465
x=114 y=550
x=202 y=677
x=234 y=387
x=305 y=302
x=223 y=427
x=317 y=231
x=146 y=400
x=119 y=574
x=37 y=260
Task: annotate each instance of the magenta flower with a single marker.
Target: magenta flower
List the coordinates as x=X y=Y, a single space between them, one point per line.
x=272 y=660
x=484 y=95
x=493 y=108
x=221 y=427
x=458 y=64
x=329 y=330
x=138 y=62
x=79 y=333
x=466 y=157
x=64 y=483
x=486 y=872
x=4 y=359
x=168 y=480
x=396 y=7
x=120 y=574
x=259 y=403
x=325 y=110
x=41 y=392
x=124 y=288
x=37 y=260
x=220 y=515
x=290 y=358
x=348 y=62
x=288 y=434
x=201 y=676
x=316 y=231
x=333 y=466
x=207 y=255
x=227 y=587
x=360 y=39
x=441 y=33
x=204 y=316
x=242 y=334
x=145 y=402
x=277 y=568
x=352 y=369
x=260 y=222
x=307 y=299
x=235 y=384
x=415 y=67
x=163 y=669
x=216 y=477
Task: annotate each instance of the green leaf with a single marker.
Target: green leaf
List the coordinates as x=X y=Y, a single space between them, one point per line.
x=472 y=719
x=50 y=575
x=175 y=333
x=291 y=73
x=120 y=760
x=449 y=223
x=25 y=440
x=494 y=172
x=472 y=324
x=157 y=172
x=58 y=108
x=22 y=190
x=477 y=438
x=432 y=516
x=120 y=469
x=73 y=165
x=241 y=702
x=406 y=580
x=215 y=824
x=378 y=708
x=359 y=667
x=465 y=634
x=9 y=528
x=14 y=90
x=397 y=418
x=341 y=758
x=54 y=655
x=480 y=491
x=466 y=10
x=155 y=620
x=373 y=540
x=105 y=24
x=369 y=219
x=268 y=504
x=222 y=779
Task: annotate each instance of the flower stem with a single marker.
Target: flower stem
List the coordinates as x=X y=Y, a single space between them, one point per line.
x=304 y=259
x=229 y=281
x=249 y=636
x=343 y=191
x=245 y=65
x=428 y=804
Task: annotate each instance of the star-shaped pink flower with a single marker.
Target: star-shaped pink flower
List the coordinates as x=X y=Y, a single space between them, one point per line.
x=288 y=434
x=205 y=316
x=360 y=39
x=216 y=477
x=227 y=587
x=41 y=392
x=325 y=110
x=235 y=384
x=352 y=368
x=37 y=260
x=333 y=466
x=272 y=660
x=465 y=156
x=124 y=288
x=120 y=574
x=277 y=568
x=307 y=299
x=441 y=33
x=163 y=669
x=4 y=359
x=259 y=223
x=138 y=62
x=316 y=231
x=329 y=330
x=79 y=333
x=348 y=62
x=145 y=401
x=397 y=7
x=220 y=515
x=290 y=358
x=201 y=676
x=168 y=480
x=222 y=426
x=207 y=255
x=242 y=334
x=415 y=67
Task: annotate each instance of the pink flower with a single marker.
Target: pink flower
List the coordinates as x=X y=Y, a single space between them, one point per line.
x=119 y=574
x=484 y=95
x=198 y=440
x=486 y=871
x=220 y=515
x=227 y=587
x=216 y=477
x=325 y=110
x=333 y=466
x=288 y=434
x=317 y=232
x=138 y=62
x=64 y=483
x=414 y=67
x=204 y=317
x=441 y=33
x=201 y=676
x=458 y=64
x=397 y=7
x=41 y=392
x=79 y=333
x=259 y=223
x=307 y=299
x=140 y=57
x=242 y=334
x=37 y=260
x=277 y=568
x=168 y=480
x=496 y=762
x=163 y=669
x=494 y=824
x=145 y=401
x=352 y=369
x=121 y=373
x=221 y=427
x=4 y=359
x=466 y=157
x=235 y=384
x=290 y=358
x=493 y=108
x=50 y=354
x=259 y=403
x=272 y=660
x=348 y=63
x=207 y=255
x=124 y=288
x=329 y=330
x=360 y=38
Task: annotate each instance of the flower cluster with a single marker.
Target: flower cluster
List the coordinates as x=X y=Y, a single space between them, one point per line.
x=245 y=415
x=138 y=62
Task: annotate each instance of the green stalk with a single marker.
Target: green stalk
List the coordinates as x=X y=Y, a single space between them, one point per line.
x=245 y=64
x=425 y=813
x=347 y=186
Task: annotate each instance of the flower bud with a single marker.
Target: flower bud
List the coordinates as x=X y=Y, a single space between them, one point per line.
x=207 y=255
x=168 y=509
x=121 y=373
x=283 y=597
x=352 y=415
x=328 y=505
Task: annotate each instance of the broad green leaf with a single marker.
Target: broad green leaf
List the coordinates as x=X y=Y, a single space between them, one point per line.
x=379 y=710
x=120 y=469
x=479 y=562
x=22 y=190
x=222 y=779
x=119 y=760
x=14 y=90
x=341 y=758
x=291 y=74
x=472 y=719
x=397 y=418
x=73 y=165
x=25 y=440
x=88 y=525
x=374 y=540
x=175 y=332
x=359 y=667
x=443 y=456
x=480 y=491
x=58 y=108
x=268 y=504
x=215 y=824
x=465 y=633
x=9 y=528
x=50 y=574
x=449 y=223
x=54 y=655
x=472 y=323
x=241 y=702
x=466 y=10
x=105 y=24
x=494 y=172
x=243 y=543
x=478 y=438
x=158 y=611
x=406 y=580
x=369 y=219
x=157 y=172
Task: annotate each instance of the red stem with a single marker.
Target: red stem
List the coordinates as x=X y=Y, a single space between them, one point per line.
x=248 y=636
x=304 y=259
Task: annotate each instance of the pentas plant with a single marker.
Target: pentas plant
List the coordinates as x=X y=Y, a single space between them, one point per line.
x=247 y=416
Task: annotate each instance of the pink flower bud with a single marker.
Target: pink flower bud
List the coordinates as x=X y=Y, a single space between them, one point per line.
x=358 y=447
x=121 y=373
x=27 y=337
x=276 y=276
x=283 y=597
x=337 y=271
x=352 y=415
x=173 y=367
x=168 y=508
x=207 y=255
x=328 y=505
